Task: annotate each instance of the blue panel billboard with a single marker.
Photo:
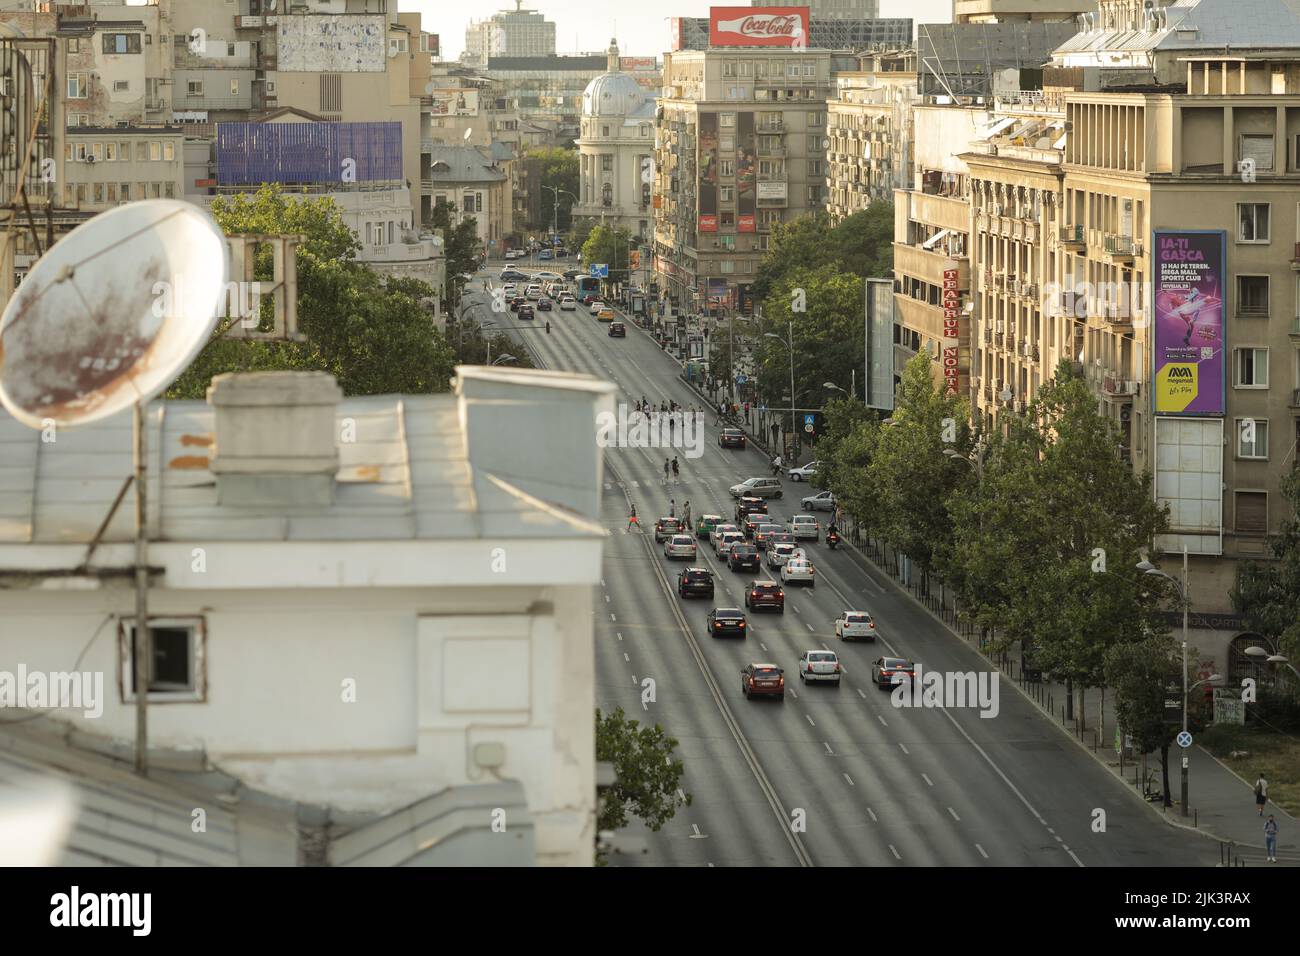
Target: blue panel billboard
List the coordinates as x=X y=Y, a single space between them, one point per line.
x=249 y=154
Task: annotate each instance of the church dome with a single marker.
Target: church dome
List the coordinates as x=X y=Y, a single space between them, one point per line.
x=612 y=94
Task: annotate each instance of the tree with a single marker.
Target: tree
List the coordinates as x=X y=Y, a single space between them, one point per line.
x=611 y=246
x=557 y=168
x=371 y=332
x=462 y=249
x=1139 y=672
x=1269 y=594
x=860 y=244
x=841 y=418
x=648 y=774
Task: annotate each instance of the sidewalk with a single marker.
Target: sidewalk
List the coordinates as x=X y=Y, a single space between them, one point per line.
x=1221 y=805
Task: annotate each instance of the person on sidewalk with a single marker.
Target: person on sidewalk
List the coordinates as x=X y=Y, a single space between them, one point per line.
x=1270 y=838
x=1261 y=793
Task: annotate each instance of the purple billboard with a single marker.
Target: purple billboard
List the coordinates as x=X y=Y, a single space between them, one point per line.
x=1188 y=305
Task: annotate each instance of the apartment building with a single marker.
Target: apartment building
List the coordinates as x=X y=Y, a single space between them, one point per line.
x=107 y=166
x=517 y=32
x=740 y=146
x=836 y=9
x=473 y=183
x=869 y=123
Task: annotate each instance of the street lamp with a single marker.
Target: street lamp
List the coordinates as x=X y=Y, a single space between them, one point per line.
x=1146 y=567
x=772 y=335
x=975 y=459
x=501 y=359
x=1271 y=658
x=555 y=220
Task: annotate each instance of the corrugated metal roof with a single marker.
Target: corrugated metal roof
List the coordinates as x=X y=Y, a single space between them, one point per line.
x=465 y=164
x=1240 y=24
x=408 y=477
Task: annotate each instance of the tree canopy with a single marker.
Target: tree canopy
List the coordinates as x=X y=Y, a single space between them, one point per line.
x=558 y=168
x=1268 y=594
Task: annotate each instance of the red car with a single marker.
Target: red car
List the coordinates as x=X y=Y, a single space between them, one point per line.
x=762 y=680
x=765 y=594
x=589 y=298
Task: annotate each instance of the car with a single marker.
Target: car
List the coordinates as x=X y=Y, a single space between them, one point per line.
x=726 y=620
x=605 y=315
x=753 y=521
x=798 y=571
x=819 y=666
x=548 y=276
x=763 y=535
x=706 y=523
x=781 y=536
x=804 y=527
x=513 y=254
x=665 y=527
x=534 y=291
x=731 y=438
x=543 y=305
x=855 y=626
x=748 y=505
x=568 y=305
x=679 y=546
x=526 y=312
x=509 y=290
x=617 y=330
x=589 y=298
x=511 y=275
x=762 y=680
x=594 y=306
x=546 y=254
x=822 y=501
x=803 y=472
x=561 y=252
x=718 y=530
x=743 y=556
x=571 y=274
x=695 y=582
x=516 y=302
x=765 y=594
x=725 y=541
x=890 y=671
x=757 y=488
x=778 y=553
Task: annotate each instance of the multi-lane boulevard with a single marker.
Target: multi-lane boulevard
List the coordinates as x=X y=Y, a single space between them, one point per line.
x=831 y=776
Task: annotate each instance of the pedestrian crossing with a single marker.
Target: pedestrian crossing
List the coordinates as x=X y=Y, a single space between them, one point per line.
x=694 y=482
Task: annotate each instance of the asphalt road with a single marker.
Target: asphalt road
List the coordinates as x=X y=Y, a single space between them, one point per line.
x=831 y=776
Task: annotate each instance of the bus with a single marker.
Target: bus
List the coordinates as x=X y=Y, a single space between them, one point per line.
x=587 y=285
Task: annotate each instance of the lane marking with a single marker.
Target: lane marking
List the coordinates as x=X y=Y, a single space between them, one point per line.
x=697 y=835
x=829 y=752
x=903 y=748
x=882 y=720
x=895 y=852
x=850 y=780
x=873 y=815
x=810 y=720
x=954 y=814
x=625 y=657
x=927 y=779
x=981 y=849
x=861 y=694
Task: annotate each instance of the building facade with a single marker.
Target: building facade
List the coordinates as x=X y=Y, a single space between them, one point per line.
x=517 y=32
x=474 y=184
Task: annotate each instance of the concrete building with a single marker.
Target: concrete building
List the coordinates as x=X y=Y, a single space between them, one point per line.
x=376 y=630
x=616 y=152
x=105 y=167
x=835 y=9
x=513 y=33
x=869 y=123
x=1018 y=11
x=474 y=183
x=973 y=61
x=740 y=145
x=834 y=25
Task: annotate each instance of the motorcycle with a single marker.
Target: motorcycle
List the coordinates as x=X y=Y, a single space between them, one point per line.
x=832 y=540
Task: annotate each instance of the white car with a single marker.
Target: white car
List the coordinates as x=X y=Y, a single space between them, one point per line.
x=516 y=254
x=568 y=304
x=718 y=530
x=822 y=501
x=804 y=526
x=534 y=291
x=803 y=472
x=679 y=546
x=597 y=306
x=855 y=626
x=549 y=276
x=510 y=289
x=819 y=666
x=778 y=554
x=797 y=571
x=726 y=540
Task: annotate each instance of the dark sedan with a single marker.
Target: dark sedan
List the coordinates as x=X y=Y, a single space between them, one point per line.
x=517 y=303
x=762 y=680
x=617 y=330
x=544 y=305
x=731 y=438
x=765 y=594
x=695 y=582
x=742 y=557
x=526 y=312
x=726 y=620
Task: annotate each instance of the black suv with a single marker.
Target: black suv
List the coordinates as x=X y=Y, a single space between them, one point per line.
x=617 y=330
x=525 y=312
x=743 y=557
x=695 y=582
x=731 y=438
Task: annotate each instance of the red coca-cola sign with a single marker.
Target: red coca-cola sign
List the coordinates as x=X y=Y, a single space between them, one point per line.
x=758 y=26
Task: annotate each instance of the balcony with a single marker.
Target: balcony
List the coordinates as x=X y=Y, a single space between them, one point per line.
x=1072 y=235
x=1121 y=247
x=773 y=151
x=1112 y=386
x=1295 y=398
x=929 y=266
x=935 y=210
x=773 y=127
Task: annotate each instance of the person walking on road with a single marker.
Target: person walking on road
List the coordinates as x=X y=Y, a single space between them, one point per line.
x=1270 y=838
x=676 y=468
x=686 y=514
x=667 y=468
x=672 y=507
x=776 y=465
x=631 y=521
x=1261 y=793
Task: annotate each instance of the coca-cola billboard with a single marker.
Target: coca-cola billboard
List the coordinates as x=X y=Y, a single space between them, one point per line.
x=758 y=26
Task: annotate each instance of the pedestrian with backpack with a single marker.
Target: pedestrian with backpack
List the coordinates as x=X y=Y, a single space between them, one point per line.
x=1261 y=793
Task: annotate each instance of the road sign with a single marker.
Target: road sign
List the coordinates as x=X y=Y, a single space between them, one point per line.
x=808 y=423
x=740 y=379
x=1184 y=739
x=599 y=269
x=808 y=429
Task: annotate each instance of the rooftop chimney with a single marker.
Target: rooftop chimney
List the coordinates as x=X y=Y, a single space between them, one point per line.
x=275 y=441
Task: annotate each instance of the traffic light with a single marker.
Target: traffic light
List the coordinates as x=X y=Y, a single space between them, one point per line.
x=548 y=326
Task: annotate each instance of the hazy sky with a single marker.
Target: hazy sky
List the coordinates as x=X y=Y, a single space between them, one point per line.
x=585 y=26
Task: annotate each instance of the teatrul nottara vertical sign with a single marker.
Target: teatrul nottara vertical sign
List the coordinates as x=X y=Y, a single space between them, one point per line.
x=951 y=331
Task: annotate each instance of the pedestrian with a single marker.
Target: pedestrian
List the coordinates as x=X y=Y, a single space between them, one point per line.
x=1261 y=793
x=631 y=521
x=1270 y=838
x=675 y=468
x=672 y=507
x=686 y=513
x=667 y=468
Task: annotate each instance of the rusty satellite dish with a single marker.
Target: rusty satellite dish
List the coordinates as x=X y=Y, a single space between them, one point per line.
x=113 y=313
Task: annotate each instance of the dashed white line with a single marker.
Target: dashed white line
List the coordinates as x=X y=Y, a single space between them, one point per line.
x=612 y=617
x=625 y=657
x=981 y=849
x=895 y=852
x=810 y=627
x=606 y=598
x=883 y=723
x=903 y=748
x=796 y=608
x=762 y=645
x=620 y=635
x=873 y=815
x=954 y=814
x=810 y=720
x=850 y=780
x=927 y=779
x=829 y=752
x=862 y=695
x=697 y=835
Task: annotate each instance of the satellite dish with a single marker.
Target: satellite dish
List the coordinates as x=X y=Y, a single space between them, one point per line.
x=113 y=313
x=469 y=131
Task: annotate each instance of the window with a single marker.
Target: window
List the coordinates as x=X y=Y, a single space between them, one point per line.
x=727 y=218
x=810 y=69
x=728 y=266
x=728 y=67
x=141 y=151
x=792 y=69
x=97 y=152
x=1252 y=438
x=78 y=86
x=816 y=118
x=126 y=192
x=169 y=151
x=1252 y=221
x=607 y=163
x=1252 y=368
x=194 y=88
x=478 y=202
x=110 y=152
x=169 y=190
x=396 y=45
x=81 y=192
x=1252 y=511
x=121 y=86
x=1252 y=296
x=814 y=195
x=79 y=151
x=234 y=87
x=726 y=193
x=604 y=131
x=230 y=49
x=124 y=152
x=1258 y=147
x=726 y=167
x=74 y=44
x=98 y=194
x=155 y=190
x=645 y=131
x=727 y=120
x=112 y=192
x=814 y=144
x=155 y=151
x=746 y=68
x=177 y=667
x=815 y=167
x=121 y=43
x=728 y=242
x=726 y=142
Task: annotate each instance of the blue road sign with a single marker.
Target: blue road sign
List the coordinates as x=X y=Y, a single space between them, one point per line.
x=807 y=420
x=1184 y=740
x=741 y=380
x=599 y=270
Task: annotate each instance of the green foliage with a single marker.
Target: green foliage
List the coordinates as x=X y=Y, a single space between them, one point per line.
x=611 y=246
x=648 y=774
x=1138 y=673
x=1269 y=594
x=861 y=245
x=842 y=417
x=369 y=331
x=558 y=169
x=462 y=249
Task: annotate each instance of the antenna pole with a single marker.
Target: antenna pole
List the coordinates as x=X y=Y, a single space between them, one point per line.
x=143 y=640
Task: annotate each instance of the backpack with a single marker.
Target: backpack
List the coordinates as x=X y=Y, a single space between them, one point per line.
x=1259 y=789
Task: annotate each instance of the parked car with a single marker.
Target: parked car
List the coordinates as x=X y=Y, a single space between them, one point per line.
x=822 y=501
x=765 y=594
x=855 y=626
x=798 y=571
x=679 y=546
x=731 y=438
x=726 y=620
x=546 y=254
x=706 y=523
x=889 y=671
x=665 y=527
x=743 y=556
x=803 y=472
x=762 y=680
x=804 y=527
x=757 y=488
x=819 y=666
x=695 y=582
x=617 y=330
